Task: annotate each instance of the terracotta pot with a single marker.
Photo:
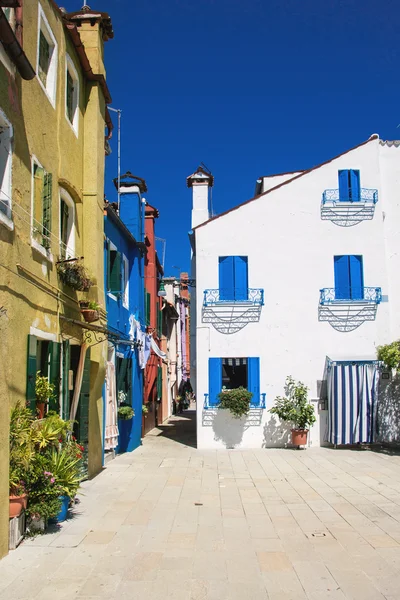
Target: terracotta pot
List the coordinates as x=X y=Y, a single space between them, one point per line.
x=299 y=437
x=17 y=503
x=40 y=407
x=90 y=315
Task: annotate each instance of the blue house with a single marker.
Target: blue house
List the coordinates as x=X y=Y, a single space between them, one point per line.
x=124 y=251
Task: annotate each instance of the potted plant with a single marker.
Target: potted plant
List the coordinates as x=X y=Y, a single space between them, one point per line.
x=236 y=400
x=126 y=413
x=66 y=466
x=295 y=408
x=44 y=391
x=21 y=452
x=145 y=410
x=389 y=354
x=90 y=311
x=74 y=274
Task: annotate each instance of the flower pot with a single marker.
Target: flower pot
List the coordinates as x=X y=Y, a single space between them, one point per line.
x=17 y=503
x=62 y=515
x=299 y=437
x=90 y=315
x=41 y=407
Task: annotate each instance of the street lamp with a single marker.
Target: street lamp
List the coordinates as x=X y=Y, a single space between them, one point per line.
x=161 y=292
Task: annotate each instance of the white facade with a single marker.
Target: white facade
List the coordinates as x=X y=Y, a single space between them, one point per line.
x=290 y=243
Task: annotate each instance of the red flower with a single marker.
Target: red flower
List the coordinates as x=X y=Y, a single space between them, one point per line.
x=79 y=455
x=74 y=438
x=60 y=440
x=81 y=448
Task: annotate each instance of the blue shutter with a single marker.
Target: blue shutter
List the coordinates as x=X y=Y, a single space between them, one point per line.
x=241 y=277
x=356 y=278
x=344 y=192
x=342 y=277
x=354 y=185
x=253 y=379
x=214 y=380
x=226 y=278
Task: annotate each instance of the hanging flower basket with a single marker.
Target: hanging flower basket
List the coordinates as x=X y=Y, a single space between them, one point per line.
x=74 y=274
x=89 y=311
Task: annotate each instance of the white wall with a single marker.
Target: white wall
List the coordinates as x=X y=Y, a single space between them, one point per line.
x=290 y=255
x=269 y=182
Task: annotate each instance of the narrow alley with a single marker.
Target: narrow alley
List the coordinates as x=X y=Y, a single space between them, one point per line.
x=169 y=521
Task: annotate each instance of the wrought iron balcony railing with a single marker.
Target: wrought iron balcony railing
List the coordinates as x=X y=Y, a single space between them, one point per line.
x=250 y=296
x=366 y=295
x=256 y=402
x=368 y=196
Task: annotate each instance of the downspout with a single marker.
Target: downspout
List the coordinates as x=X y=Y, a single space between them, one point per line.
x=13 y=48
x=19 y=24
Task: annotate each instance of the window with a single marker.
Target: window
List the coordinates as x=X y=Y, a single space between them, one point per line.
x=232 y=373
x=42 y=191
x=72 y=94
x=349 y=283
x=233 y=278
x=5 y=59
x=47 y=58
x=147 y=302
x=114 y=272
x=125 y=281
x=44 y=356
x=349 y=185
x=6 y=134
x=67 y=225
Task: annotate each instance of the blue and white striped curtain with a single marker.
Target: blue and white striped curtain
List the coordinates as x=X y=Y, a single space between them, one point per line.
x=352 y=391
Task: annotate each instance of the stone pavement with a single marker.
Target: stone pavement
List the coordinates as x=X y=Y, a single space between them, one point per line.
x=170 y=522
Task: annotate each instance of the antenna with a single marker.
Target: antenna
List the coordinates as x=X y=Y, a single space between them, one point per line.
x=118 y=111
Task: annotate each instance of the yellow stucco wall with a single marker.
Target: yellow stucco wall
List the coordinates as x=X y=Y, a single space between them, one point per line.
x=30 y=291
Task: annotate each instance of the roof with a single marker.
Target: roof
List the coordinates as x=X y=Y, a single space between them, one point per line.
x=151 y=211
x=134 y=181
x=281 y=174
x=302 y=174
x=94 y=15
x=200 y=174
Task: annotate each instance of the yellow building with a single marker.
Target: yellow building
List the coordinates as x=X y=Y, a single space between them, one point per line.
x=53 y=134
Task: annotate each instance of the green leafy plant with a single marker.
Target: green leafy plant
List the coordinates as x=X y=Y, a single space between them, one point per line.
x=389 y=354
x=145 y=410
x=66 y=466
x=21 y=448
x=50 y=432
x=294 y=407
x=75 y=275
x=126 y=413
x=43 y=489
x=44 y=390
x=237 y=401
x=93 y=305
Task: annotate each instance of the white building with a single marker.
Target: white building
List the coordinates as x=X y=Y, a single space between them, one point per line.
x=301 y=280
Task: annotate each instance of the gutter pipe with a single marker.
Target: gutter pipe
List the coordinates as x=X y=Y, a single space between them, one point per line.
x=13 y=48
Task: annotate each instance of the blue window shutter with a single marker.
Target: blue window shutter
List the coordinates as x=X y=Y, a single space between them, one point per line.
x=241 y=277
x=354 y=185
x=226 y=278
x=356 y=278
x=344 y=185
x=253 y=379
x=214 y=380
x=342 y=277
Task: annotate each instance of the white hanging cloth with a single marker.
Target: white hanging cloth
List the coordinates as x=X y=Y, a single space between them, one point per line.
x=111 y=433
x=156 y=349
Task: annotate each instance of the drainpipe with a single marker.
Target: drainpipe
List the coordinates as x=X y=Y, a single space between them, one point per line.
x=13 y=47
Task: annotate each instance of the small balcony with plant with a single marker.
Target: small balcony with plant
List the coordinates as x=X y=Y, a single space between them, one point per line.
x=349 y=204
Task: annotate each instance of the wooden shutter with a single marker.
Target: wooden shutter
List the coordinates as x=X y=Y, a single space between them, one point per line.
x=64 y=215
x=342 y=278
x=31 y=368
x=70 y=97
x=148 y=307
x=38 y=181
x=356 y=278
x=159 y=383
x=354 y=185
x=65 y=404
x=214 y=380
x=82 y=416
x=253 y=379
x=241 y=277
x=115 y=272
x=47 y=202
x=344 y=185
x=159 y=321
x=54 y=375
x=226 y=278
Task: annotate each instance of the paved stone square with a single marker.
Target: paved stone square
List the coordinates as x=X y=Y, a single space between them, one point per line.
x=171 y=522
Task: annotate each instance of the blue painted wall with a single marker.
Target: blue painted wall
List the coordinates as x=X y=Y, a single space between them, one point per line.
x=132 y=215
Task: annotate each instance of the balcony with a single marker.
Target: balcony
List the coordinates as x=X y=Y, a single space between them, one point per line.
x=351 y=212
x=229 y=315
x=252 y=296
x=347 y=314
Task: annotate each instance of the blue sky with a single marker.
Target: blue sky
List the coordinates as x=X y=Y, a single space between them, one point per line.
x=249 y=87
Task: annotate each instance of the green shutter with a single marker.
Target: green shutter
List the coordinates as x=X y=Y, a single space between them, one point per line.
x=64 y=214
x=115 y=272
x=47 y=198
x=54 y=375
x=148 y=306
x=70 y=97
x=65 y=407
x=159 y=383
x=159 y=321
x=31 y=368
x=82 y=415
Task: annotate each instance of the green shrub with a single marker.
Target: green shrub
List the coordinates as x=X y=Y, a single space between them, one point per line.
x=389 y=354
x=294 y=407
x=237 y=401
x=126 y=413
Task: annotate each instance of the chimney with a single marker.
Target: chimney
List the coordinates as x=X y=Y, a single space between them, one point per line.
x=131 y=208
x=200 y=182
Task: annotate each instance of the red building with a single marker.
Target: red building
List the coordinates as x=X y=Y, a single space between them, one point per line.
x=152 y=274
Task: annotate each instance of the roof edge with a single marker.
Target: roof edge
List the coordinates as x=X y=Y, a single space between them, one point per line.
x=370 y=139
